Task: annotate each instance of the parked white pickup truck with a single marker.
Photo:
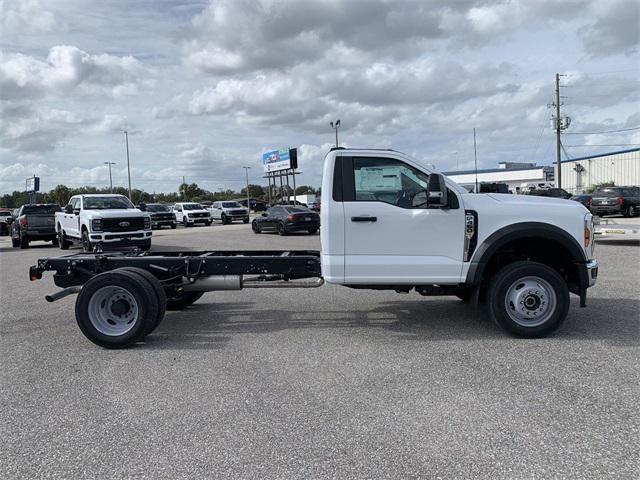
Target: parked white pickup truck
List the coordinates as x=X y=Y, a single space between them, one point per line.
x=102 y=220
x=190 y=213
x=228 y=211
x=388 y=222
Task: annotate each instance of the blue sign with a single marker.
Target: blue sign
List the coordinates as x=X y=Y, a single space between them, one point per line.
x=276 y=160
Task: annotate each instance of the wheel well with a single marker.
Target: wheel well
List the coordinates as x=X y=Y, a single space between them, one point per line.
x=543 y=250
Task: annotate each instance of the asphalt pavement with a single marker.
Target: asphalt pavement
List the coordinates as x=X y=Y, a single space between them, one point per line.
x=325 y=383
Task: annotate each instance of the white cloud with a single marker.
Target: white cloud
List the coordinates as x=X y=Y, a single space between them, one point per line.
x=25 y=16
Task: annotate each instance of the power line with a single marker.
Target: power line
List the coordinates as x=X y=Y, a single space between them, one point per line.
x=607 y=145
x=606 y=131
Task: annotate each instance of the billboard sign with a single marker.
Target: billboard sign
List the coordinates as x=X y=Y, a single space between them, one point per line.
x=276 y=160
x=33 y=184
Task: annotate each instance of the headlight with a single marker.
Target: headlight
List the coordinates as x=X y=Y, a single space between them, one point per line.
x=96 y=225
x=147 y=223
x=588 y=232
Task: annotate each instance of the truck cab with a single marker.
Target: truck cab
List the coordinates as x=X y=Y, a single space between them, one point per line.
x=390 y=222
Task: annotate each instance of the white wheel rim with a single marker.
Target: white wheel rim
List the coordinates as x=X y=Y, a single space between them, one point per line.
x=113 y=311
x=530 y=301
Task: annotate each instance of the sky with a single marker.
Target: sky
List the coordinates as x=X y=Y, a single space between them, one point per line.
x=205 y=87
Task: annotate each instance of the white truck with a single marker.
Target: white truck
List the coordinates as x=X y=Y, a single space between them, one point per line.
x=228 y=211
x=191 y=213
x=104 y=221
x=388 y=222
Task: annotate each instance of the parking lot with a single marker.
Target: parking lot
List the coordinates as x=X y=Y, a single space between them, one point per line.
x=330 y=382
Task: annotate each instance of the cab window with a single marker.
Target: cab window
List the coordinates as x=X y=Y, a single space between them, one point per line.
x=389 y=181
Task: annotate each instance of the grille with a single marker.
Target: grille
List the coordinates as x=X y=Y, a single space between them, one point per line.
x=237 y=212
x=198 y=215
x=112 y=224
x=163 y=216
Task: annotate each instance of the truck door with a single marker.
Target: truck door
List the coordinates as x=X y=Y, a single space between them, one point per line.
x=391 y=236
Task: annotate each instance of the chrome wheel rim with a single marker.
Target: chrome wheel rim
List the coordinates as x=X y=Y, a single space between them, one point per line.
x=530 y=301
x=113 y=310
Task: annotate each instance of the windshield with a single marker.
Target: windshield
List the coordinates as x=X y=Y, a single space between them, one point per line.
x=157 y=208
x=106 y=203
x=607 y=192
x=41 y=209
x=296 y=210
x=231 y=205
x=192 y=206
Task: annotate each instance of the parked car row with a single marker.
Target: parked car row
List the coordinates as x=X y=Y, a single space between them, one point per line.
x=612 y=201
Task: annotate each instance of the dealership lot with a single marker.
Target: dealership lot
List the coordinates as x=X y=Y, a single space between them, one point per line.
x=319 y=383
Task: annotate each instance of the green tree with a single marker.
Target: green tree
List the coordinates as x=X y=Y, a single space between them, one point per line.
x=255 y=191
x=60 y=195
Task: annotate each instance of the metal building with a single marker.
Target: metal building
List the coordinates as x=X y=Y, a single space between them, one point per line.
x=622 y=168
x=578 y=174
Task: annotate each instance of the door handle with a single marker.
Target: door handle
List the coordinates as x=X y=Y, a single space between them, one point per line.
x=364 y=218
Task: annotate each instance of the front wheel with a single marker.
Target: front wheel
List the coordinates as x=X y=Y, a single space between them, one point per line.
x=185 y=223
x=86 y=243
x=528 y=299
x=208 y=224
x=255 y=227
x=313 y=231
x=224 y=219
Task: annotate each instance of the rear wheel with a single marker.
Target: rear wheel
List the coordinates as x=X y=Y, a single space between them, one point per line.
x=181 y=300
x=63 y=243
x=160 y=296
x=630 y=211
x=115 y=309
x=528 y=299
x=24 y=241
x=224 y=219
x=54 y=242
x=281 y=230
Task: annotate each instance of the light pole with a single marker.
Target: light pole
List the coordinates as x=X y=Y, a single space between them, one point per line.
x=126 y=141
x=246 y=171
x=110 y=178
x=335 y=126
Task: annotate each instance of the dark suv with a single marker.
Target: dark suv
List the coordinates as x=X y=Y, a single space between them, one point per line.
x=551 y=192
x=616 y=200
x=161 y=215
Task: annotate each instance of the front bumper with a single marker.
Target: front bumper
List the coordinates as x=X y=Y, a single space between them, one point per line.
x=199 y=220
x=162 y=223
x=592 y=271
x=120 y=237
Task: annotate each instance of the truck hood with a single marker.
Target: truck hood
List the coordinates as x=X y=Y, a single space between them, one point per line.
x=118 y=213
x=532 y=200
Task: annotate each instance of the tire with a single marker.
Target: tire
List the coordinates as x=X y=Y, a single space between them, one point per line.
x=160 y=296
x=281 y=230
x=630 y=211
x=86 y=242
x=180 y=301
x=173 y=226
x=55 y=242
x=24 y=241
x=224 y=219
x=129 y=295
x=256 y=229
x=208 y=224
x=245 y=220
x=15 y=242
x=185 y=223
x=533 y=283
x=313 y=231
x=63 y=243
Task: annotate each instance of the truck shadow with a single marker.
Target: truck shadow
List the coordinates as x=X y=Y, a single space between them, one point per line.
x=212 y=325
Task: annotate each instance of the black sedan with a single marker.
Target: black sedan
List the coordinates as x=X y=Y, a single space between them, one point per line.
x=585 y=200
x=286 y=219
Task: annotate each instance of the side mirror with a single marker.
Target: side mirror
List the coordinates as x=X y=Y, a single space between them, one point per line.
x=437 y=191
x=264 y=214
x=68 y=209
x=142 y=207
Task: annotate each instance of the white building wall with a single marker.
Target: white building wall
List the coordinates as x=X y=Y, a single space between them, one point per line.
x=620 y=168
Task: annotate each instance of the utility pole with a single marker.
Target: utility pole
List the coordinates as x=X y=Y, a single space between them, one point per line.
x=557 y=125
x=126 y=140
x=335 y=126
x=475 y=156
x=246 y=171
x=110 y=178
x=184 y=190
